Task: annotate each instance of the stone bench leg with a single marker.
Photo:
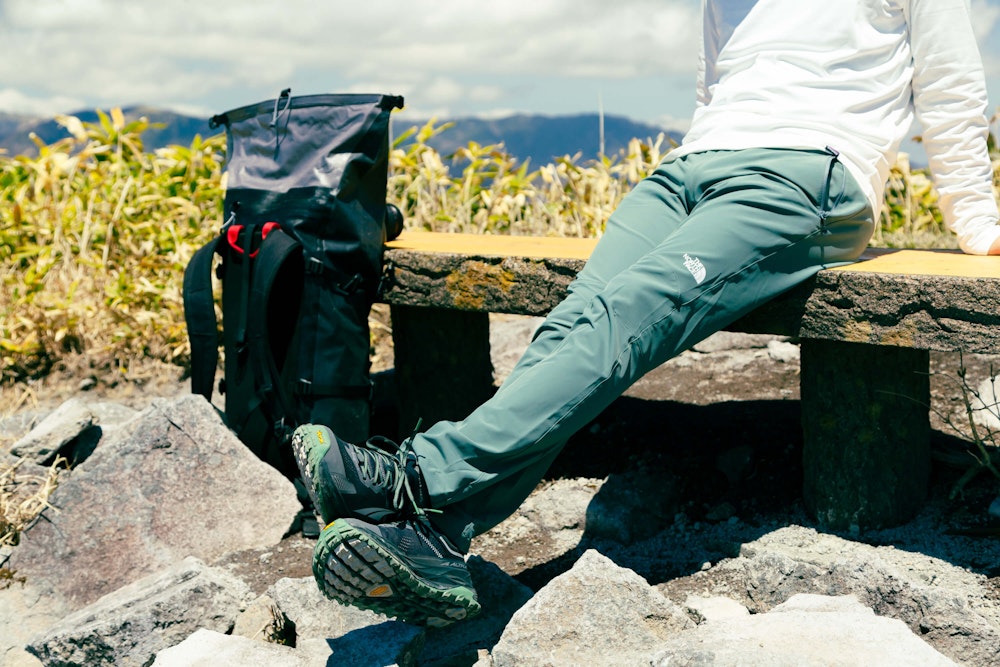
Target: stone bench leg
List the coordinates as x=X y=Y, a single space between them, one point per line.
x=442 y=361
x=866 y=428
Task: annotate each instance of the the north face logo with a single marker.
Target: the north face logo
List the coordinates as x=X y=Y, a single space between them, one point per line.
x=694 y=265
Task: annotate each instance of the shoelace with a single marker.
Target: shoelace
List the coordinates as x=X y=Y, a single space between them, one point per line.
x=384 y=469
x=376 y=465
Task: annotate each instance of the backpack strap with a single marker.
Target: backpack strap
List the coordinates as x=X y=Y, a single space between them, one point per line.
x=271 y=398
x=199 y=314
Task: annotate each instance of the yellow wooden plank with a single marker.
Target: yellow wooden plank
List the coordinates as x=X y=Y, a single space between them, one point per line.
x=875 y=260
x=927 y=263
x=502 y=246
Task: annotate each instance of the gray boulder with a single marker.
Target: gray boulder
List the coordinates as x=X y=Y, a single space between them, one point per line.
x=208 y=648
x=950 y=608
x=60 y=431
x=129 y=626
x=25 y=612
x=501 y=596
x=805 y=630
x=596 y=613
x=174 y=483
x=724 y=341
x=509 y=335
x=953 y=609
x=325 y=629
x=317 y=617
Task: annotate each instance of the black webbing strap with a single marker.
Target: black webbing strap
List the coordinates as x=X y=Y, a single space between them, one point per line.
x=199 y=314
x=245 y=303
x=274 y=251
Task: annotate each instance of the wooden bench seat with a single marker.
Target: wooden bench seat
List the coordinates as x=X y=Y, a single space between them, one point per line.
x=865 y=332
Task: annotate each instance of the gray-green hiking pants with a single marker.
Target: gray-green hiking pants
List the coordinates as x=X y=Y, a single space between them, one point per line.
x=707 y=238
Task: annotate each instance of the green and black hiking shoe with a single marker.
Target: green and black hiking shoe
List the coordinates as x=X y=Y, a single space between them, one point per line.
x=378 y=481
x=405 y=570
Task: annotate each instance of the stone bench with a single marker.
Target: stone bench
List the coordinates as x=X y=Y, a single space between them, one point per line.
x=865 y=333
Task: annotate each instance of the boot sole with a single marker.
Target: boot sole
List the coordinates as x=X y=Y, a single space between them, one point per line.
x=300 y=450
x=332 y=505
x=354 y=569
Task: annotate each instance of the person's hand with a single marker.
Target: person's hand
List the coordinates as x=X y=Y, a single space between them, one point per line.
x=995 y=247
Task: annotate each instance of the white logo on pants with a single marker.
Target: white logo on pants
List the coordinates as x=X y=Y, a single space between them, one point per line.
x=694 y=265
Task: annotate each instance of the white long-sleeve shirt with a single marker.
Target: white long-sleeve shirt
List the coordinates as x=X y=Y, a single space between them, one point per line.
x=852 y=75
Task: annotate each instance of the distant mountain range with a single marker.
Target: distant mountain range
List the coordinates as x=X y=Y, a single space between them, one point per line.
x=15 y=129
x=525 y=136
x=542 y=138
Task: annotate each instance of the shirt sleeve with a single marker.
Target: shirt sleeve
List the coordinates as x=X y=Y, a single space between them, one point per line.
x=950 y=101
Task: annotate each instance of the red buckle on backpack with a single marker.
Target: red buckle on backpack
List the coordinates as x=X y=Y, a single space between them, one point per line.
x=234 y=231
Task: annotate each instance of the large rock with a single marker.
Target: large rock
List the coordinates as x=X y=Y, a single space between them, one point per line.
x=723 y=341
x=322 y=631
x=71 y=430
x=597 y=613
x=208 y=648
x=174 y=483
x=986 y=404
x=509 y=336
x=952 y=609
x=806 y=630
x=326 y=630
x=129 y=626
x=60 y=431
x=25 y=612
x=461 y=643
x=322 y=628
x=317 y=617
x=381 y=644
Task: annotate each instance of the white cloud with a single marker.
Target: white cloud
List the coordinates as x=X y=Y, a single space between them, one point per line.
x=440 y=53
x=445 y=56
x=15 y=101
x=673 y=123
x=985 y=13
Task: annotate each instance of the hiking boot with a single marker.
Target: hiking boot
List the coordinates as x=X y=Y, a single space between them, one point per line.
x=377 y=481
x=405 y=570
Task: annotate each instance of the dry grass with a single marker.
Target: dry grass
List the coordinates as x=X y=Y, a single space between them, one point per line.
x=975 y=425
x=23 y=497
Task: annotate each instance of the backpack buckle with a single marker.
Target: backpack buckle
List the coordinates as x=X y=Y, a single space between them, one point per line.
x=234 y=231
x=314 y=266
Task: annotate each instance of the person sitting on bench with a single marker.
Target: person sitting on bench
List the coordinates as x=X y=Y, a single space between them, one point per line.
x=801 y=109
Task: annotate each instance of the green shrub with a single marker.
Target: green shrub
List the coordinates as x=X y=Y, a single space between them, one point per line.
x=95 y=236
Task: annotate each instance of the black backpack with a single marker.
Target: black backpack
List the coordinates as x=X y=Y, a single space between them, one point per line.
x=301 y=259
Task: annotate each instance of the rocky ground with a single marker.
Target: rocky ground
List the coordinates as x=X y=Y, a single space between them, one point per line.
x=697 y=460
x=718 y=426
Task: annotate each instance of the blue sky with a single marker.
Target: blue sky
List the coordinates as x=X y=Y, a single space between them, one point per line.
x=447 y=58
